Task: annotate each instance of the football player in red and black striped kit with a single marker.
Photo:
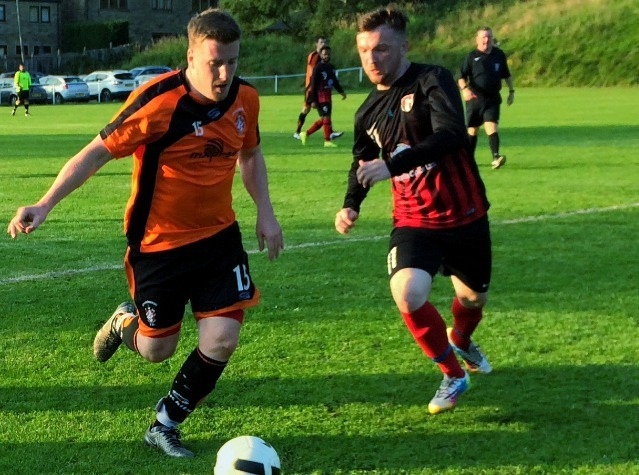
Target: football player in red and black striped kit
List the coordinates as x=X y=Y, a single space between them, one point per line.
x=323 y=81
x=410 y=129
x=186 y=132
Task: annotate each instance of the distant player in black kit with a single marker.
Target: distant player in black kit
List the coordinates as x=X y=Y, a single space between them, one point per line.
x=323 y=81
x=480 y=82
x=410 y=129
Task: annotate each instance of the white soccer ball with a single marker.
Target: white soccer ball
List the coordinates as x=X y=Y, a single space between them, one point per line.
x=247 y=454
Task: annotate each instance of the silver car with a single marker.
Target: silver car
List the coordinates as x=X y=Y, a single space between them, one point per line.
x=108 y=85
x=62 y=89
x=142 y=74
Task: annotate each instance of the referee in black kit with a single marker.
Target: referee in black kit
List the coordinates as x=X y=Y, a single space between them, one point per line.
x=480 y=82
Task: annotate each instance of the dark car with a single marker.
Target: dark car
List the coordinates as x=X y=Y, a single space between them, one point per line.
x=9 y=95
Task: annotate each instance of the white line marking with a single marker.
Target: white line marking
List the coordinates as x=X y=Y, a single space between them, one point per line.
x=526 y=219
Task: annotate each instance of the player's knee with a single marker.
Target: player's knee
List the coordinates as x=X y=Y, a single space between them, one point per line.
x=473 y=300
x=410 y=289
x=221 y=347
x=157 y=353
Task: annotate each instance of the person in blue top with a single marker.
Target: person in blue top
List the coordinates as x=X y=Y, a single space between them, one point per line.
x=480 y=82
x=22 y=80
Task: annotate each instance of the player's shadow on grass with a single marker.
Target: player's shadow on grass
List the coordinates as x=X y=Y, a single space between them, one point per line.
x=568 y=416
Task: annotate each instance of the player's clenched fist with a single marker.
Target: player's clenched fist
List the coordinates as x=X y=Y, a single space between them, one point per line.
x=345 y=220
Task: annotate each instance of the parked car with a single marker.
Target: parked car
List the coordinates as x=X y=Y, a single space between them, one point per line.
x=108 y=85
x=62 y=89
x=9 y=95
x=34 y=75
x=142 y=74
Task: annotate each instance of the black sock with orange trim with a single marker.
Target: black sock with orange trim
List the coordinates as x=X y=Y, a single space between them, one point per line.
x=195 y=380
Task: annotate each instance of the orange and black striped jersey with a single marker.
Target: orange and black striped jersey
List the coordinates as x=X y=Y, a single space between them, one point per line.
x=311 y=61
x=185 y=154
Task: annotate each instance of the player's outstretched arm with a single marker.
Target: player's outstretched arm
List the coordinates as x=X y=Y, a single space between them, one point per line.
x=73 y=174
x=254 y=177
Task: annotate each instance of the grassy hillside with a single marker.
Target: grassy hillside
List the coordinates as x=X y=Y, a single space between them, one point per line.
x=549 y=42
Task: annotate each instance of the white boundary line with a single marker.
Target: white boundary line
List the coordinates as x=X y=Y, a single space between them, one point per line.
x=526 y=219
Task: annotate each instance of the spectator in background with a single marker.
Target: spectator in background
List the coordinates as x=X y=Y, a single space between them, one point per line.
x=320 y=97
x=22 y=81
x=311 y=61
x=480 y=79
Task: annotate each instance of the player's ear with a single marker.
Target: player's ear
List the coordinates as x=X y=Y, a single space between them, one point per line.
x=405 y=46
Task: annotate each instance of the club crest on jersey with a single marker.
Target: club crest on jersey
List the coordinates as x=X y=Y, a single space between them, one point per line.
x=407 y=102
x=150 y=311
x=240 y=122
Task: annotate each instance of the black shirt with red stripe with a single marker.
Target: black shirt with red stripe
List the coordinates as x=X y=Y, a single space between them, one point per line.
x=417 y=127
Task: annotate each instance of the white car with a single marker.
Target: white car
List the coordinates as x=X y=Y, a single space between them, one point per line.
x=142 y=74
x=108 y=85
x=62 y=89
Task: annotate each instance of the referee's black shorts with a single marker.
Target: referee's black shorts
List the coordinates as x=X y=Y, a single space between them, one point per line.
x=482 y=109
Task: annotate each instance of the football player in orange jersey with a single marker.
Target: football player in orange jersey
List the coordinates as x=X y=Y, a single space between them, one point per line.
x=186 y=131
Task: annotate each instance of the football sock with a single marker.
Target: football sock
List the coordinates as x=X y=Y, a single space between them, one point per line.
x=315 y=127
x=429 y=331
x=493 y=142
x=300 y=122
x=465 y=321
x=473 y=143
x=328 y=128
x=195 y=380
x=129 y=333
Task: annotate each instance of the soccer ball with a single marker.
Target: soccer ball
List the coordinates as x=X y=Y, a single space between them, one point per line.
x=247 y=454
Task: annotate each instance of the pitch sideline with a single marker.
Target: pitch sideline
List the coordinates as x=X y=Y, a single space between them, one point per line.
x=526 y=219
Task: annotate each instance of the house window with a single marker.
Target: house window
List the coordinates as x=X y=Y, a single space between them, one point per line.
x=3 y=51
x=34 y=14
x=46 y=49
x=26 y=50
x=3 y=13
x=162 y=5
x=45 y=14
x=113 y=4
x=36 y=50
x=201 y=5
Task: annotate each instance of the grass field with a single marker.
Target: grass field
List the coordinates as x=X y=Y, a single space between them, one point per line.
x=326 y=371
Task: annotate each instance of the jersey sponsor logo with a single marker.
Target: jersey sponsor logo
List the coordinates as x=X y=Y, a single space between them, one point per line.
x=407 y=102
x=213 y=148
x=373 y=133
x=414 y=173
x=476 y=59
x=150 y=311
x=497 y=67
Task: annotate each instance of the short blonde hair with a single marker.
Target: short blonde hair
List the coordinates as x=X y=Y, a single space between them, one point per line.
x=214 y=24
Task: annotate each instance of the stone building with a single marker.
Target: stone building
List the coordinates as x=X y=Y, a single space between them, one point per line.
x=31 y=30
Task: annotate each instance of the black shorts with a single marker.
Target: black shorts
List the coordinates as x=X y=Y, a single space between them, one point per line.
x=23 y=95
x=482 y=109
x=213 y=274
x=324 y=109
x=464 y=252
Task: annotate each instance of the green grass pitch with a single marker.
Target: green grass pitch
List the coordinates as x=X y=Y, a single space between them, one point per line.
x=326 y=371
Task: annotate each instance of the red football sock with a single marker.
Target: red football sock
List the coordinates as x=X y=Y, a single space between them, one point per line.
x=465 y=321
x=315 y=127
x=429 y=331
